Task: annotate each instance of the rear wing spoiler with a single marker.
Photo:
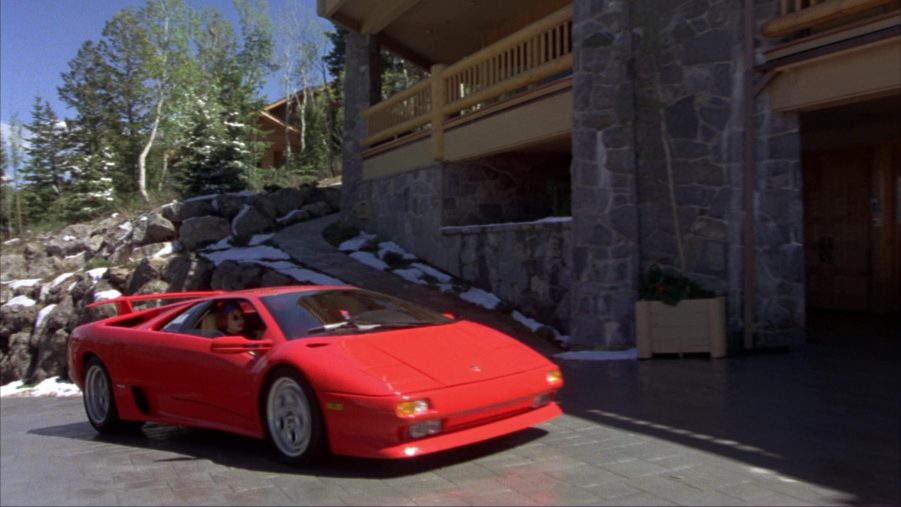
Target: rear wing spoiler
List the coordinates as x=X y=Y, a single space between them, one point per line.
x=124 y=306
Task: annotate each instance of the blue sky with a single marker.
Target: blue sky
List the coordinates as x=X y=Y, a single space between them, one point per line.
x=39 y=37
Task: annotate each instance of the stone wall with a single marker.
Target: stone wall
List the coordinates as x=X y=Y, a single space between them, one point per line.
x=780 y=299
x=524 y=264
x=659 y=92
x=604 y=200
x=689 y=112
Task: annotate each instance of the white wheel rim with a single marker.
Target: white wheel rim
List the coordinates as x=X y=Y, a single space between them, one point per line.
x=97 y=394
x=288 y=416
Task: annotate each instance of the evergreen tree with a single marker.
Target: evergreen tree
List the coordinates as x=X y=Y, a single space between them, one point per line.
x=124 y=50
x=7 y=193
x=43 y=177
x=212 y=157
x=91 y=190
x=86 y=89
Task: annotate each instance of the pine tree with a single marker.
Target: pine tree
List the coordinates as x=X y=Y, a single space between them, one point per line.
x=91 y=189
x=43 y=177
x=213 y=157
x=6 y=194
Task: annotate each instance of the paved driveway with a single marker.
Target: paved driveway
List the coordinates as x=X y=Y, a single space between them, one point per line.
x=818 y=425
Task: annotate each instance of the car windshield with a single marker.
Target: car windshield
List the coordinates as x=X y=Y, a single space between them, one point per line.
x=317 y=313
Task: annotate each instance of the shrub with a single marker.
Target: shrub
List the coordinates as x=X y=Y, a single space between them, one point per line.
x=339 y=232
x=670 y=286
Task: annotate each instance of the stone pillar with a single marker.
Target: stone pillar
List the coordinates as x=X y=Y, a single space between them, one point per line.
x=780 y=299
x=604 y=200
x=357 y=98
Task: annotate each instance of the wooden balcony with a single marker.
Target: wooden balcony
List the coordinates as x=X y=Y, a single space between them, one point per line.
x=806 y=17
x=833 y=52
x=529 y=66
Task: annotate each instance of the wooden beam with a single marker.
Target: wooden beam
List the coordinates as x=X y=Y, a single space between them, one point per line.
x=387 y=15
x=816 y=15
x=332 y=7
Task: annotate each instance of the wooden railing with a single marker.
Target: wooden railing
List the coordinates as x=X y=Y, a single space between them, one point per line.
x=797 y=15
x=526 y=57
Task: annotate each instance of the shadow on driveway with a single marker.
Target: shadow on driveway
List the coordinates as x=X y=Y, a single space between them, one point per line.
x=247 y=453
x=826 y=412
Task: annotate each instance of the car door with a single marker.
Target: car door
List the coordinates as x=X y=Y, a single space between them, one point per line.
x=205 y=387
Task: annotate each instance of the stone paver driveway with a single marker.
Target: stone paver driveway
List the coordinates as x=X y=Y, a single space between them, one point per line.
x=818 y=425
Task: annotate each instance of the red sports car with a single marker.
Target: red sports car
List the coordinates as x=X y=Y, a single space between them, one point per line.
x=311 y=369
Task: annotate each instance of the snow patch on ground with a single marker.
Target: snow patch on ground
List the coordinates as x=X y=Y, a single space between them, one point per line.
x=222 y=244
x=52 y=386
x=479 y=297
x=301 y=274
x=356 y=243
x=532 y=324
x=599 y=355
x=411 y=275
x=370 y=260
x=390 y=246
x=429 y=270
x=259 y=239
x=246 y=254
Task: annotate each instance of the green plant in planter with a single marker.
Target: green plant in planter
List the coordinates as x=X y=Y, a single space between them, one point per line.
x=670 y=286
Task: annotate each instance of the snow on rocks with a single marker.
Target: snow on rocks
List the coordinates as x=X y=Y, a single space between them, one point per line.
x=391 y=257
x=21 y=301
x=60 y=279
x=57 y=274
x=43 y=314
x=105 y=295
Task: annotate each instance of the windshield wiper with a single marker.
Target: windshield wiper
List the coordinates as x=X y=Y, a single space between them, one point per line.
x=346 y=324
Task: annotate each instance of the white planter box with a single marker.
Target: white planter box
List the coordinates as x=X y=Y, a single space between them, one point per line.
x=693 y=325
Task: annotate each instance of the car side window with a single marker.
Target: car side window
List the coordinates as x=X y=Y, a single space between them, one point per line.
x=225 y=317
x=185 y=319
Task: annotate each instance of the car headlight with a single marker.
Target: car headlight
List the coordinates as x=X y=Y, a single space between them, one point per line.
x=554 y=377
x=412 y=408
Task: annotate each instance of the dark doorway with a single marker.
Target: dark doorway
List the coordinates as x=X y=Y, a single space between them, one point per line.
x=851 y=157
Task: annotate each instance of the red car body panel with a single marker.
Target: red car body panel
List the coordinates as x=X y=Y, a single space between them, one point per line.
x=479 y=382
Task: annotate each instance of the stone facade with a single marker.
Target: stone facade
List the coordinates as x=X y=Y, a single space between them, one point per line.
x=605 y=199
x=656 y=176
x=660 y=85
x=526 y=264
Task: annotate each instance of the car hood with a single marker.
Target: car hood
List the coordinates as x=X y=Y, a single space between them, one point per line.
x=411 y=360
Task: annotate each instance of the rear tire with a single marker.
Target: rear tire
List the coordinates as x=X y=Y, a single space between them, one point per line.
x=99 y=401
x=292 y=419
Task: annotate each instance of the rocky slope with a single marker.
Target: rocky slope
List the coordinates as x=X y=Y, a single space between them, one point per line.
x=46 y=283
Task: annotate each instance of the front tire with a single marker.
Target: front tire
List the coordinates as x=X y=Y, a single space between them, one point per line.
x=99 y=401
x=293 y=421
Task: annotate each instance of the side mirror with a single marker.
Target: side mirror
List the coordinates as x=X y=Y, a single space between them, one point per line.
x=239 y=344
